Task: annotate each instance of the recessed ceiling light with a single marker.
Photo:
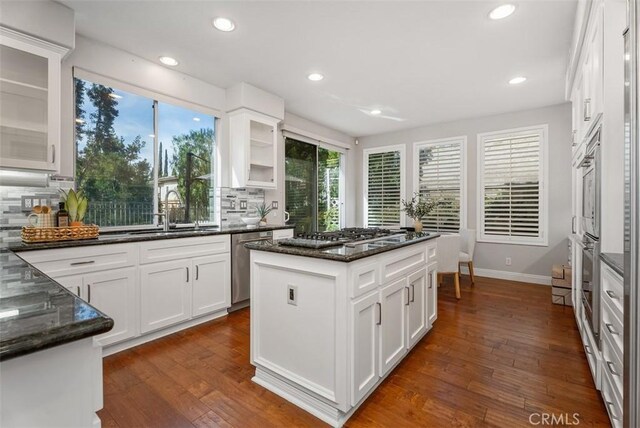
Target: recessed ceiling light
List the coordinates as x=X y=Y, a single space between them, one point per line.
x=115 y=96
x=224 y=24
x=167 y=60
x=502 y=12
x=517 y=80
x=196 y=119
x=375 y=112
x=315 y=77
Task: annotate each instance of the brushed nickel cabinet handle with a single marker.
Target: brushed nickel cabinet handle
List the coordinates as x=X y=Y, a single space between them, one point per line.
x=197 y=272
x=89 y=293
x=587 y=350
x=78 y=291
x=408 y=300
x=53 y=153
x=611 y=329
x=611 y=294
x=413 y=293
x=187 y=274
x=379 y=313
x=430 y=281
x=611 y=368
x=587 y=109
x=87 y=262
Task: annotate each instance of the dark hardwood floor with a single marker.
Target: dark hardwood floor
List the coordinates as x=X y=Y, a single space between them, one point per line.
x=493 y=358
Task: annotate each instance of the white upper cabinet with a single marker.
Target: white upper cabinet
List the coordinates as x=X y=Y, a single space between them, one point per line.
x=254 y=149
x=29 y=102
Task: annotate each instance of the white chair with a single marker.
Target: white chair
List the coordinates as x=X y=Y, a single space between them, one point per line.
x=467 y=245
x=448 y=255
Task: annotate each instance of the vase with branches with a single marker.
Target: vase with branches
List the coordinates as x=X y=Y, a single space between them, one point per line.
x=263 y=211
x=417 y=208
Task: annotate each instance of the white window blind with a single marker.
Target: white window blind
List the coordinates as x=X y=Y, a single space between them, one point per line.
x=512 y=186
x=384 y=184
x=440 y=176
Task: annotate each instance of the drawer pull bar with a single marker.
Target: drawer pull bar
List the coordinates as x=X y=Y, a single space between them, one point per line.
x=87 y=262
x=187 y=274
x=611 y=368
x=611 y=329
x=89 y=293
x=613 y=415
x=611 y=294
x=379 y=313
x=78 y=293
x=413 y=293
x=408 y=297
x=587 y=349
x=197 y=272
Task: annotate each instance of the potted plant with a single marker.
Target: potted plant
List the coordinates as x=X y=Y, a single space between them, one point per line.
x=76 y=205
x=263 y=211
x=417 y=208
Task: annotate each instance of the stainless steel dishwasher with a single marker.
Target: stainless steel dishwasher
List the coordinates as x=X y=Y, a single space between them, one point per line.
x=240 y=267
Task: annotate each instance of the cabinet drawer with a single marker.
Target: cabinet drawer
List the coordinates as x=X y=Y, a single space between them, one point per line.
x=612 y=290
x=403 y=264
x=365 y=277
x=612 y=365
x=71 y=261
x=282 y=234
x=431 y=252
x=612 y=327
x=613 y=405
x=181 y=248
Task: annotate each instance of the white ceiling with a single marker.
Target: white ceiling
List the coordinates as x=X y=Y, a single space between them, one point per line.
x=418 y=62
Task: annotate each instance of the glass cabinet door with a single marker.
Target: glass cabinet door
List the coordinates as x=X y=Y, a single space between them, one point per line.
x=26 y=104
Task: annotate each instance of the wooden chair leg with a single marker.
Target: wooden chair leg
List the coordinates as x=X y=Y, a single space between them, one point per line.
x=471 y=273
x=456 y=279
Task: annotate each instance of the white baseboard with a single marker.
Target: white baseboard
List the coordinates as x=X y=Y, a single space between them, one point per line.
x=512 y=276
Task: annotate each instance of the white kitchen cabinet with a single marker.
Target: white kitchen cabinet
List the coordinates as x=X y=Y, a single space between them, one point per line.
x=394 y=299
x=211 y=283
x=29 y=102
x=254 y=149
x=113 y=293
x=432 y=294
x=366 y=313
x=165 y=294
x=593 y=70
x=417 y=308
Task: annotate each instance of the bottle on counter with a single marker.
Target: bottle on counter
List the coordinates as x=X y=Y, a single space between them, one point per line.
x=62 y=216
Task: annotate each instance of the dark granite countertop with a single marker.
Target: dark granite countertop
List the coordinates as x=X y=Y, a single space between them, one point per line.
x=37 y=313
x=120 y=237
x=615 y=261
x=343 y=253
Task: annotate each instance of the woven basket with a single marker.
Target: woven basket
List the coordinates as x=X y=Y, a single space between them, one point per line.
x=52 y=234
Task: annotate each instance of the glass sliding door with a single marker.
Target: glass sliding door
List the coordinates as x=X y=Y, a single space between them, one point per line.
x=313 y=186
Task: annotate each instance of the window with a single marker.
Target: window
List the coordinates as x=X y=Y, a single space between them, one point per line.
x=511 y=180
x=440 y=174
x=383 y=185
x=132 y=150
x=313 y=186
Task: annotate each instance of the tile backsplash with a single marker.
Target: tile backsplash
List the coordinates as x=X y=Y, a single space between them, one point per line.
x=11 y=216
x=236 y=203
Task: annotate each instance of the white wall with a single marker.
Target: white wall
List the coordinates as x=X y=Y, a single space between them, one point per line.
x=351 y=159
x=530 y=260
x=45 y=20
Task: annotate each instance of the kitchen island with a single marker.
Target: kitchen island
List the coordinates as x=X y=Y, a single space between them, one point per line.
x=329 y=325
x=50 y=367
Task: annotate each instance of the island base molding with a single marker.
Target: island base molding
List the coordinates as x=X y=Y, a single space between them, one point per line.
x=318 y=408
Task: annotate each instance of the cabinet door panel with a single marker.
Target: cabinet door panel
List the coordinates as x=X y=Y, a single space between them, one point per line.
x=432 y=295
x=165 y=295
x=113 y=292
x=417 y=314
x=364 y=365
x=393 y=344
x=211 y=283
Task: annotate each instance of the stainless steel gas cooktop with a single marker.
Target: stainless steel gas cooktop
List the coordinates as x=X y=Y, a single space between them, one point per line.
x=347 y=236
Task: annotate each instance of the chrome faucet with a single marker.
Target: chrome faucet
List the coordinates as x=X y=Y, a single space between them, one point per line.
x=166 y=208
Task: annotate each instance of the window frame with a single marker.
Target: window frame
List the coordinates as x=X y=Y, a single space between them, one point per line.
x=83 y=74
x=462 y=139
x=365 y=180
x=543 y=177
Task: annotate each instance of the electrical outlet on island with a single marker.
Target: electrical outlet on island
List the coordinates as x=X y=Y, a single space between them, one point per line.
x=508 y=261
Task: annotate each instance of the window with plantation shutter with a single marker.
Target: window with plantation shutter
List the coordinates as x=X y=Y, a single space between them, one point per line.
x=384 y=186
x=440 y=175
x=511 y=180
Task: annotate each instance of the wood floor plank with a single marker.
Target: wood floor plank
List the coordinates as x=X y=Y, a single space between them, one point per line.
x=494 y=357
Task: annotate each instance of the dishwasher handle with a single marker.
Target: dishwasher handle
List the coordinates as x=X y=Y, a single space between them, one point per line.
x=244 y=241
